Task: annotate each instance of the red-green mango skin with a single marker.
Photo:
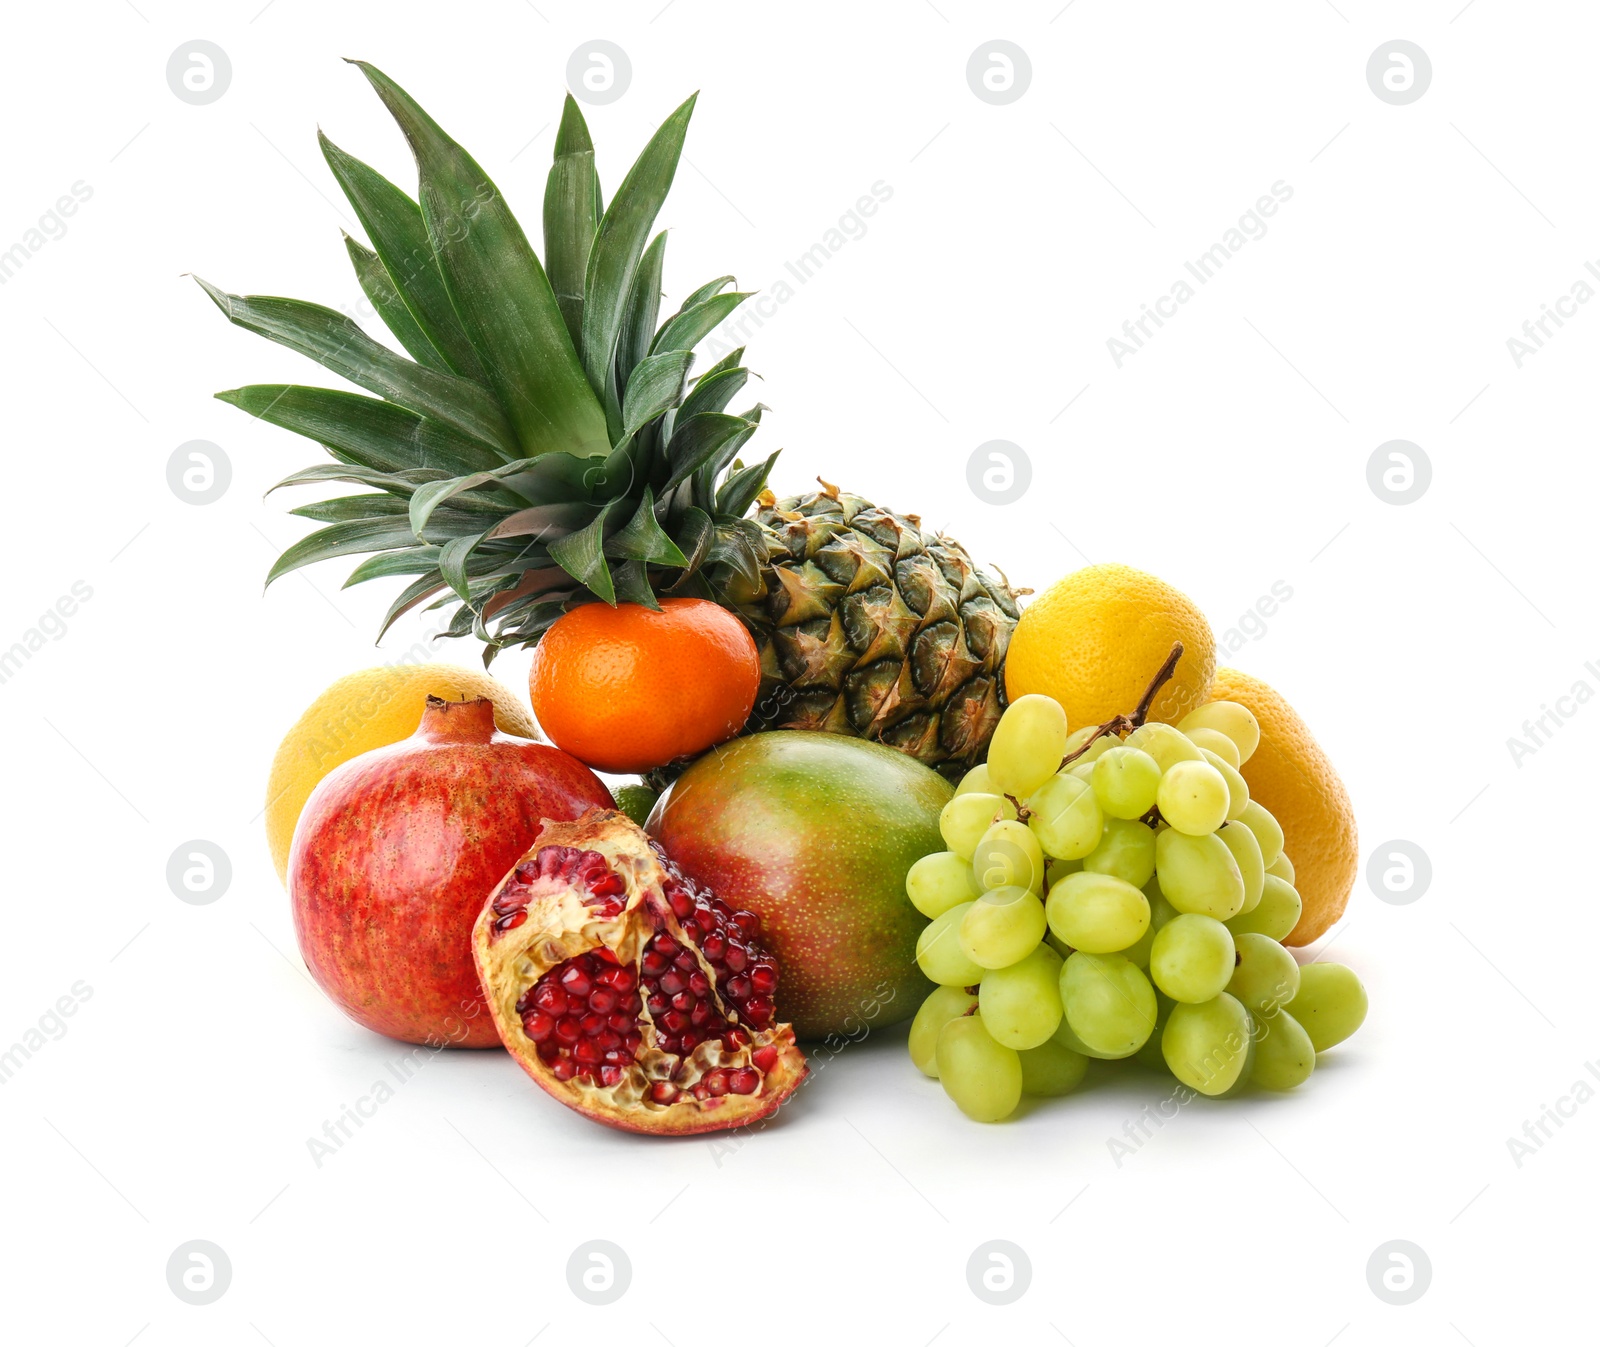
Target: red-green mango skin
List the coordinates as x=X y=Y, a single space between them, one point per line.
x=814 y=833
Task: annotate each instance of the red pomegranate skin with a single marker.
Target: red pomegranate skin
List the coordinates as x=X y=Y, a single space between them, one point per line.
x=395 y=853
x=814 y=833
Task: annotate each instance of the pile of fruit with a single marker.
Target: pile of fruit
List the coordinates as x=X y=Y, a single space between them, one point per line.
x=549 y=468
x=1116 y=893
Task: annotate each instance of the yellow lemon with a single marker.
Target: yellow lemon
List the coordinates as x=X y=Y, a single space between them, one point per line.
x=1094 y=640
x=364 y=711
x=1291 y=777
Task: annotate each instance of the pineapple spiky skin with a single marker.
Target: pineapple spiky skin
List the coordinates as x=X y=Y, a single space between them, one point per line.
x=870 y=627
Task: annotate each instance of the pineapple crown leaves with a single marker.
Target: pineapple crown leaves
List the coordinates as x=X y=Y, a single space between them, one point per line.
x=546 y=443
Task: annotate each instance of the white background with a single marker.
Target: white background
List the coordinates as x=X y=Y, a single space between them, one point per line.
x=1227 y=455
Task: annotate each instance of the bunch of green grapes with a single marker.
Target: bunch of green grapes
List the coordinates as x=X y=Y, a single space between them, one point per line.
x=1131 y=903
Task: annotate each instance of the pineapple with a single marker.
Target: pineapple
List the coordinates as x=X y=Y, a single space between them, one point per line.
x=546 y=446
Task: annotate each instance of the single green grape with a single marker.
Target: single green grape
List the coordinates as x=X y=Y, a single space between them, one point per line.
x=1274 y=916
x=1167 y=744
x=942 y=1005
x=1246 y=853
x=939 y=952
x=1125 y=781
x=1008 y=853
x=982 y=1076
x=1098 y=743
x=1238 y=787
x=1127 y=850
x=1110 y=1005
x=1028 y=745
x=938 y=882
x=1266 y=828
x=965 y=818
x=1021 y=1004
x=1065 y=817
x=1285 y=1056
x=976 y=782
x=1098 y=913
x=1193 y=798
x=1235 y=720
x=1001 y=927
x=1192 y=958
x=1198 y=874
x=1209 y=1045
x=1330 y=1004
x=1208 y=740
x=1051 y=1069
x=1283 y=868
x=1265 y=976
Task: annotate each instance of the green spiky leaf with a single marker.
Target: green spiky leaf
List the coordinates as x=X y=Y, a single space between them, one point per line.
x=333 y=340
x=642 y=538
x=582 y=556
x=380 y=291
x=498 y=289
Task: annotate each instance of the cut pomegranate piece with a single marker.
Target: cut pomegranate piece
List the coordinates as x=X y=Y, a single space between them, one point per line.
x=629 y=993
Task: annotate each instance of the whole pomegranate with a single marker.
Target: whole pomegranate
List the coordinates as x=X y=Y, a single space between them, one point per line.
x=395 y=852
x=629 y=993
x=814 y=833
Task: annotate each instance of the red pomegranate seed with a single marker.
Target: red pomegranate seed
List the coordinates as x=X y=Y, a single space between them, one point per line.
x=686 y=962
x=592 y=1024
x=690 y=1040
x=511 y=920
x=618 y=978
x=588 y=1052
x=739 y=988
x=700 y=1014
x=616 y=1057
x=735 y=958
x=538 y=1026
x=684 y=1000
x=577 y=981
x=567 y=1031
x=665 y=943
x=759 y=1010
x=675 y=1021
x=605 y=955
x=717 y=1083
x=658 y=1006
x=765 y=1057
x=682 y=904
x=673 y=982
x=744 y=1081
x=663 y=1092
x=549 y=1050
x=700 y=1091
x=749 y=923
x=714 y=947
x=612 y=1075
x=549 y=997
x=619 y=1022
x=633 y=1005
x=608 y=1040
x=563 y=1068
x=654 y=963
x=764 y=978
x=699 y=983
x=603 y=1000
x=735 y=1038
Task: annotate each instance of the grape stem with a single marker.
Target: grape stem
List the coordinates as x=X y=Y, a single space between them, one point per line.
x=1023 y=812
x=1126 y=724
